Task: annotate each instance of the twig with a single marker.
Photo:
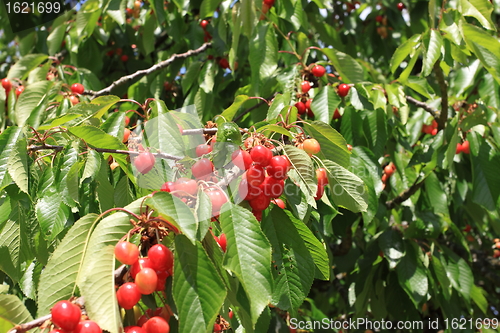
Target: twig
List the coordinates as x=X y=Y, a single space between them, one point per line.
x=403 y=196
x=425 y=106
x=443 y=86
x=253 y=107
x=139 y=73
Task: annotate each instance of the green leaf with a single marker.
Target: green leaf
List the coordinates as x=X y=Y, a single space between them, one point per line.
x=478 y=295
x=276 y=107
x=8 y=146
x=325 y=103
x=405 y=49
x=333 y=145
x=350 y=70
x=294 y=266
x=191 y=75
x=104 y=103
x=230 y=112
x=176 y=212
x=12 y=312
x=412 y=276
x=148 y=40
x=206 y=78
x=197 y=289
x=479 y=9
x=58 y=279
x=376 y=131
x=25 y=65
x=55 y=38
x=96 y=279
x=302 y=171
x=208 y=7
x=271 y=128
x=263 y=55
x=116 y=10
x=433 y=45
x=32 y=97
x=248 y=256
x=18 y=165
x=248 y=17
x=485 y=176
x=86 y=18
x=449 y=25
x=163 y=134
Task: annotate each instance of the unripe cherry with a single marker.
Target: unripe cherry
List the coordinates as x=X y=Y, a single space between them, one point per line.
x=146 y=281
x=127 y=253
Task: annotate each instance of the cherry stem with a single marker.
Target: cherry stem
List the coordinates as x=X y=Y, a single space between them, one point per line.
x=119 y=209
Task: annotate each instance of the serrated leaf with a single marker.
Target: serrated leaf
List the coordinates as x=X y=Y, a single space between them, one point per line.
x=163 y=134
x=302 y=170
x=276 y=107
x=433 y=46
x=403 y=51
x=31 y=98
x=197 y=289
x=333 y=145
x=208 y=7
x=412 y=278
x=22 y=68
x=350 y=70
x=58 y=279
x=12 y=312
x=92 y=166
x=325 y=103
x=248 y=256
x=51 y=212
x=96 y=279
x=275 y=129
x=230 y=112
x=203 y=211
x=18 y=165
x=13 y=240
x=103 y=103
x=479 y=9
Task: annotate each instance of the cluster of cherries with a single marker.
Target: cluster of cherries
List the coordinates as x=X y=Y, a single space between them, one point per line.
x=7 y=85
x=304 y=103
x=119 y=52
x=389 y=170
x=463 y=148
x=431 y=129
x=149 y=274
x=207 y=36
x=76 y=89
x=67 y=316
x=496 y=246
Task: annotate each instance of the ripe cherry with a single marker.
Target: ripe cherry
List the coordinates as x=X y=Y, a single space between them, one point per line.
x=156 y=325
x=77 y=88
x=144 y=162
x=187 y=185
x=272 y=187
x=127 y=253
x=139 y=265
x=343 y=90
x=255 y=175
x=128 y=295
x=7 y=85
x=458 y=150
x=133 y=329
x=319 y=192
x=466 y=147
x=401 y=6
x=217 y=198
x=260 y=203
x=322 y=176
x=126 y=134
x=146 y=280
x=301 y=107
x=261 y=155
x=242 y=159
x=305 y=86
x=127 y=120
x=308 y=104
x=222 y=241
x=379 y=18
x=336 y=114
x=496 y=254
x=318 y=71
x=202 y=169
x=389 y=169
x=269 y=3
x=279 y=203
x=124 y=58
x=19 y=90
x=257 y=214
x=87 y=326
x=161 y=257
x=66 y=315
x=224 y=63
x=248 y=192
x=311 y=146
x=204 y=24
x=384 y=178
x=278 y=167
x=203 y=149
x=168 y=187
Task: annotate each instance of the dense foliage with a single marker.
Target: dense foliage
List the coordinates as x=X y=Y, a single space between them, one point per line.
x=152 y=122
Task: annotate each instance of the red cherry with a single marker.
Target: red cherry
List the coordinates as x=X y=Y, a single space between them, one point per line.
x=496 y=254
x=217 y=198
x=139 y=265
x=379 y=18
x=343 y=90
x=146 y=280
x=187 y=185
x=224 y=63
x=272 y=187
x=318 y=71
x=308 y=104
x=66 y=315
x=279 y=203
x=301 y=107
x=204 y=24
x=349 y=147
x=255 y=175
x=311 y=146
x=467 y=228
x=144 y=162
x=168 y=187
x=305 y=86
x=247 y=192
x=231 y=314
x=77 y=88
x=257 y=214
x=336 y=114
x=202 y=168
x=458 y=150
x=73 y=99
x=242 y=159
x=466 y=147
x=384 y=178
x=389 y=169
x=87 y=326
x=124 y=58
x=161 y=257
x=203 y=149
x=434 y=131
x=156 y=325
x=269 y=3
x=319 y=192
x=127 y=120
x=127 y=253
x=6 y=84
x=133 y=329
x=261 y=155
x=57 y=330
x=260 y=203
x=401 y=6
x=434 y=124
x=322 y=176
x=19 y=90
x=278 y=167
x=217 y=328
x=128 y=295
x=222 y=241
x=126 y=134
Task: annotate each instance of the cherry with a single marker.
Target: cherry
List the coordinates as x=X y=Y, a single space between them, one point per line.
x=401 y=6
x=434 y=131
x=318 y=71
x=466 y=147
x=305 y=86
x=187 y=185
x=319 y=192
x=139 y=265
x=87 y=326
x=260 y=203
x=379 y=18
x=224 y=63
x=349 y=147
x=222 y=241
x=168 y=187
x=127 y=120
x=242 y=159
x=156 y=325
x=161 y=257
x=270 y=3
x=311 y=146
x=279 y=203
x=217 y=198
x=231 y=314
x=127 y=253
x=203 y=149
x=128 y=295
x=146 y=280
x=204 y=24
x=336 y=114
x=133 y=329
x=73 y=99
x=217 y=328
x=467 y=228
x=322 y=176
x=124 y=58
x=384 y=178
x=126 y=134
x=57 y=330
x=458 y=150
x=248 y=192
x=255 y=175
x=278 y=167
x=66 y=315
x=202 y=168
x=6 y=84
x=261 y=155
x=389 y=169
x=137 y=4
x=272 y=187
x=343 y=90
x=77 y=88
x=301 y=107
x=257 y=214
x=496 y=254
x=308 y=104
x=144 y=162
x=19 y=90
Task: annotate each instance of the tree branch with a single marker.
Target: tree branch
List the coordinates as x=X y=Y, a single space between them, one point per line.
x=443 y=86
x=425 y=106
x=403 y=196
x=148 y=71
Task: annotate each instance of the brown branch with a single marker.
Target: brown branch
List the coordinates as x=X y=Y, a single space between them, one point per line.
x=443 y=87
x=425 y=106
x=403 y=196
x=142 y=72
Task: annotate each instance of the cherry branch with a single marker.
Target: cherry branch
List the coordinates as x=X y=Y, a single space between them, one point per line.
x=425 y=106
x=403 y=196
x=143 y=72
